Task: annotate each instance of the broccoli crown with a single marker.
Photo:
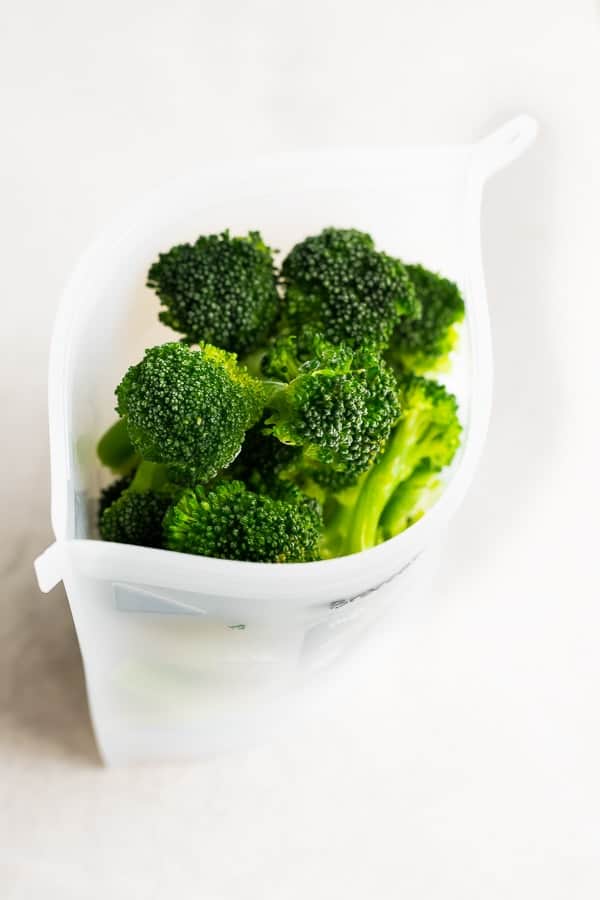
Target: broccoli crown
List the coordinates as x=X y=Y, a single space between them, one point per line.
x=135 y=518
x=424 y=344
x=190 y=408
x=339 y=407
x=339 y=284
x=111 y=493
x=232 y=522
x=222 y=290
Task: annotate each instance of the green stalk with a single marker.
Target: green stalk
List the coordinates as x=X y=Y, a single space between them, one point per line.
x=393 y=467
x=338 y=514
x=252 y=362
x=116 y=451
x=409 y=502
x=276 y=397
x=150 y=476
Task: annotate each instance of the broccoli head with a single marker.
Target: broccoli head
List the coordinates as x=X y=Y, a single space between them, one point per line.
x=221 y=290
x=112 y=492
x=135 y=515
x=135 y=518
x=339 y=405
x=189 y=408
x=424 y=344
x=339 y=284
x=231 y=522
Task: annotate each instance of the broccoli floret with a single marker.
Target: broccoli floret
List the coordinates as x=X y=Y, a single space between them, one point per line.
x=339 y=284
x=221 y=290
x=232 y=522
x=428 y=432
x=424 y=344
x=189 y=408
x=111 y=493
x=267 y=466
x=135 y=516
x=339 y=405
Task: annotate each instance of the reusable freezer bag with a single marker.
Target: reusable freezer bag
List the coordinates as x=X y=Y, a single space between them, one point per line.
x=186 y=656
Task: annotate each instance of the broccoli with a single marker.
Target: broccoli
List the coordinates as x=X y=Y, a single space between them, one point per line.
x=231 y=522
x=221 y=290
x=135 y=516
x=424 y=344
x=339 y=405
x=428 y=432
x=264 y=461
x=116 y=451
x=190 y=408
x=324 y=441
x=409 y=502
x=111 y=493
x=339 y=284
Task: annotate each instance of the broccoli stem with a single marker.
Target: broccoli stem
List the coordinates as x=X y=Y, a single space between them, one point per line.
x=409 y=502
x=252 y=361
x=150 y=476
x=393 y=467
x=276 y=396
x=272 y=389
x=338 y=514
x=116 y=451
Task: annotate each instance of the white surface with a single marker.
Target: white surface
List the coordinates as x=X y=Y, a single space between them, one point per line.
x=459 y=758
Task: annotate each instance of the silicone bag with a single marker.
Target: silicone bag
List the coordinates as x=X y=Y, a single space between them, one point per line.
x=186 y=656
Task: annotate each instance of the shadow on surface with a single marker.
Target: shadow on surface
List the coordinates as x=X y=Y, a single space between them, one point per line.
x=43 y=705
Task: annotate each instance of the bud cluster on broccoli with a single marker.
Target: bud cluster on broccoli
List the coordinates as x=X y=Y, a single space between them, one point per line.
x=292 y=421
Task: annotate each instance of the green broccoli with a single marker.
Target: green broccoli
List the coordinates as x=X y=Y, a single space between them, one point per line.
x=190 y=408
x=116 y=451
x=339 y=405
x=221 y=290
x=112 y=492
x=340 y=285
x=428 y=432
x=323 y=442
x=410 y=501
x=135 y=516
x=424 y=344
x=264 y=461
x=231 y=522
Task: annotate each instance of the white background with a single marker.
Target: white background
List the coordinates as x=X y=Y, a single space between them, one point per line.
x=463 y=760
